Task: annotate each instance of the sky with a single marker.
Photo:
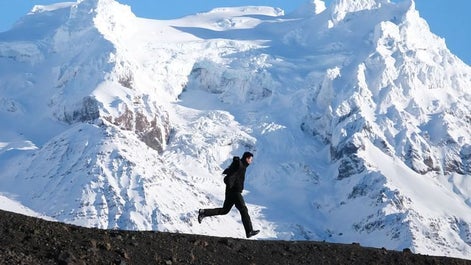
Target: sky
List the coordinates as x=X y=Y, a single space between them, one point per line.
x=447 y=19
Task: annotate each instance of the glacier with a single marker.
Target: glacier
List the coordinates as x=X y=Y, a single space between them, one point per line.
x=358 y=115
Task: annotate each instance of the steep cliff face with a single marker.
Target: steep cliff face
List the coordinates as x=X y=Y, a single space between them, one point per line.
x=358 y=115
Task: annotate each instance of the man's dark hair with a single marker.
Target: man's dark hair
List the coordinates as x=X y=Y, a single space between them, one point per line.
x=246 y=155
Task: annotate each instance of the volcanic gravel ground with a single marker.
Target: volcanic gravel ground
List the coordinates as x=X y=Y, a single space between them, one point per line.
x=28 y=240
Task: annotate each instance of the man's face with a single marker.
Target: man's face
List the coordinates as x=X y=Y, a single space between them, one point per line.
x=249 y=159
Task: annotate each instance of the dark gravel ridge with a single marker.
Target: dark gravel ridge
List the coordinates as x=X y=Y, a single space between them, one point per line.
x=28 y=240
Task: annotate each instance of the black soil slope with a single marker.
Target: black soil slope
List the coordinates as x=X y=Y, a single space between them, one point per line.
x=27 y=240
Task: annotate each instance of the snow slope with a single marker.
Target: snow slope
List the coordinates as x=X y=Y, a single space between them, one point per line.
x=358 y=115
x=8 y=204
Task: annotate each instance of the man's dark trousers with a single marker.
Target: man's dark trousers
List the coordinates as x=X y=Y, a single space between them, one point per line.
x=233 y=198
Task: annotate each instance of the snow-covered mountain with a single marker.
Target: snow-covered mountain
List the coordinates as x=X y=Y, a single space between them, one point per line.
x=359 y=118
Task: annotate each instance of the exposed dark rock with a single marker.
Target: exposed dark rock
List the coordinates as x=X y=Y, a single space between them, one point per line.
x=346 y=149
x=27 y=240
x=350 y=166
x=125 y=121
x=88 y=111
x=466 y=158
x=154 y=133
x=126 y=79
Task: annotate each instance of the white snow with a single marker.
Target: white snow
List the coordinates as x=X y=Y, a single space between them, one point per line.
x=359 y=118
x=52 y=7
x=8 y=204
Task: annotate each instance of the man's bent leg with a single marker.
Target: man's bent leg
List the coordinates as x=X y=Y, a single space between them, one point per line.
x=227 y=206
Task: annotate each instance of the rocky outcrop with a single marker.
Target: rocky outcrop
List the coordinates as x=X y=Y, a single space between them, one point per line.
x=154 y=131
x=87 y=111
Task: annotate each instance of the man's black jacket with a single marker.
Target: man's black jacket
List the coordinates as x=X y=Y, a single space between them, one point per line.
x=235 y=175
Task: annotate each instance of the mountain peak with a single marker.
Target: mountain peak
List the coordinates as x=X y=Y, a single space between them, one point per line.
x=340 y=8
